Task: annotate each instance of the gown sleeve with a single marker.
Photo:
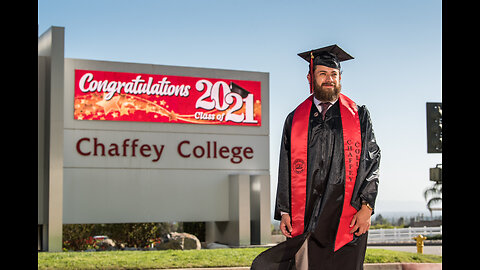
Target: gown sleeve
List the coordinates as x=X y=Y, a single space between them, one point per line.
x=369 y=189
x=282 y=203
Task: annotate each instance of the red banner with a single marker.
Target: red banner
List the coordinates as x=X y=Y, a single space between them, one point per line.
x=121 y=96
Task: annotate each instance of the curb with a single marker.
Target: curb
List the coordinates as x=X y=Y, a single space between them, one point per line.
x=367 y=266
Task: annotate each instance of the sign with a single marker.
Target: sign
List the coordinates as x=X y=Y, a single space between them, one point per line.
x=122 y=96
x=137 y=137
x=434 y=127
x=152 y=150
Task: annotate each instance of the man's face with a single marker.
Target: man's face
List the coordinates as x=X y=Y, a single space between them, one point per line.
x=326 y=85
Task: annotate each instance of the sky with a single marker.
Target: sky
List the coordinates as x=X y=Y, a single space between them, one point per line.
x=397 y=46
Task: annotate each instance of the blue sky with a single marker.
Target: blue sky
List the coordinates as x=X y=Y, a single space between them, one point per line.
x=397 y=66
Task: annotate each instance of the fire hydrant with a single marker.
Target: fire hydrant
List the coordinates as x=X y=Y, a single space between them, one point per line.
x=420 y=239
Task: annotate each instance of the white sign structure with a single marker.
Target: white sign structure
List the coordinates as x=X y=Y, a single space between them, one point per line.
x=118 y=145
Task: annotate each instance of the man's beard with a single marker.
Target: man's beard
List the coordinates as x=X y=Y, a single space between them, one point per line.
x=323 y=94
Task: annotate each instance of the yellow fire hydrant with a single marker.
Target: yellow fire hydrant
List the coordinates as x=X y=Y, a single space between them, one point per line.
x=420 y=239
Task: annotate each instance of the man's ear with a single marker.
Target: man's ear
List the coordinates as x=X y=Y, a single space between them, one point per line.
x=309 y=78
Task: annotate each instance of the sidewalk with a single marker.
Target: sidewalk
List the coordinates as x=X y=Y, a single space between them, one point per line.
x=367 y=266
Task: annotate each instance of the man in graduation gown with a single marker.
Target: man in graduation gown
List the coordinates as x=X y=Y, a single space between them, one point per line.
x=328 y=176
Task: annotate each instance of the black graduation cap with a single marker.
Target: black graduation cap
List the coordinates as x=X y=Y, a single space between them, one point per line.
x=329 y=56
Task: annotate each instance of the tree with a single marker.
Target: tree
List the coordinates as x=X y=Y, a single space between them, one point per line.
x=433 y=195
x=379 y=220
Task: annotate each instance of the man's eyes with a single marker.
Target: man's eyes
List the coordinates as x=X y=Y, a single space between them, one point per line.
x=324 y=73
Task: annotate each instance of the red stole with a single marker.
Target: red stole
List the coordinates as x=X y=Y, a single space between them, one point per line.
x=298 y=150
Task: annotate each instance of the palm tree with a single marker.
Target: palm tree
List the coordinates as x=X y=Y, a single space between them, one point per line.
x=433 y=195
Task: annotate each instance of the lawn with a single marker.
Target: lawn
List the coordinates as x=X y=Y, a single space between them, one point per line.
x=191 y=258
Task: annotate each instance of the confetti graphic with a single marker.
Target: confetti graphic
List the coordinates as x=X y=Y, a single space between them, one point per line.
x=119 y=96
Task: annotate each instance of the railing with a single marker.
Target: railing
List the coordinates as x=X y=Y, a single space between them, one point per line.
x=401 y=234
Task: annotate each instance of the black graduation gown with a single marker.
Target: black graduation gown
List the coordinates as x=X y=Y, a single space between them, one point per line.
x=325 y=192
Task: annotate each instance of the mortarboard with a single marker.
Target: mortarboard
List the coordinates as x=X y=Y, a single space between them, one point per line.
x=329 y=56
x=239 y=90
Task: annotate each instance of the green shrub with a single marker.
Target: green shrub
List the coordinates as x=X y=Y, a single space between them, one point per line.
x=139 y=235
x=77 y=236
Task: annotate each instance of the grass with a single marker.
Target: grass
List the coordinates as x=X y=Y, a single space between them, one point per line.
x=191 y=258
x=374 y=255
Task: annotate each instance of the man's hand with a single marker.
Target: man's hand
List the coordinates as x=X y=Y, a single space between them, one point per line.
x=286 y=226
x=360 y=221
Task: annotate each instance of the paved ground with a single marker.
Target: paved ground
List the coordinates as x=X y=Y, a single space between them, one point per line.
x=434 y=250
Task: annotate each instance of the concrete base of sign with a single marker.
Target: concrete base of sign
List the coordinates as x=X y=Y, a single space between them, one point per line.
x=248 y=211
